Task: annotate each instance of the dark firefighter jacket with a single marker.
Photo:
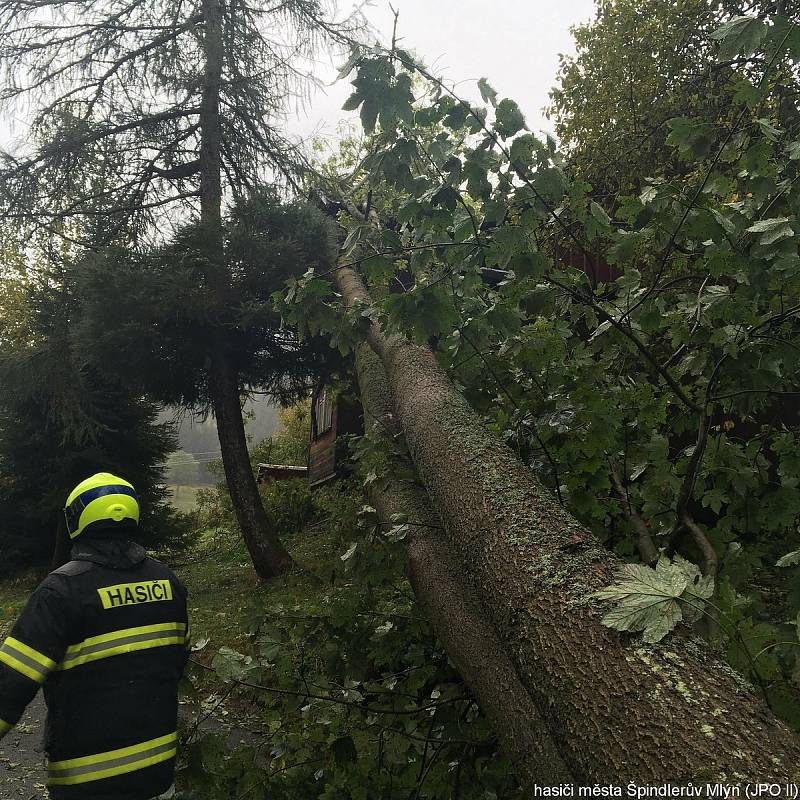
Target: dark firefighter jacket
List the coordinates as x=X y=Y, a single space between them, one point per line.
x=106 y=638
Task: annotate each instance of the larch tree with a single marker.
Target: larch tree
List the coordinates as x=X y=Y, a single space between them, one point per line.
x=145 y=114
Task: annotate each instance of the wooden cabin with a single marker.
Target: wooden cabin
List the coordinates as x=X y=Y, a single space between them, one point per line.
x=331 y=419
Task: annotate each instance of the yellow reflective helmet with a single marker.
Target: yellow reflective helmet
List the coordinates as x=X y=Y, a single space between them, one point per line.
x=101 y=498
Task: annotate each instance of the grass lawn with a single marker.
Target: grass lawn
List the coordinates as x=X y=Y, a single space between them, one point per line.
x=14 y=593
x=226 y=596
x=224 y=591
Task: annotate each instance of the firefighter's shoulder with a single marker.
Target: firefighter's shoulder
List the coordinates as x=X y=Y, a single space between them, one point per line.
x=72 y=568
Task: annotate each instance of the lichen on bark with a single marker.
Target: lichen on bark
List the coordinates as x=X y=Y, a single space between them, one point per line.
x=614 y=715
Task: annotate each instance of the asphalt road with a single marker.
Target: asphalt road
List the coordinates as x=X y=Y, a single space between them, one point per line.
x=22 y=773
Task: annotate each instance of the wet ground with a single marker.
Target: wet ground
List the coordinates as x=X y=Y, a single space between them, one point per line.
x=22 y=773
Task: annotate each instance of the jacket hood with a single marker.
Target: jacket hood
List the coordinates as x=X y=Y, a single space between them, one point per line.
x=113 y=553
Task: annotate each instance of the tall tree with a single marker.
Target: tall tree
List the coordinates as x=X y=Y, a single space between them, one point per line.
x=637 y=66
x=145 y=113
x=453 y=606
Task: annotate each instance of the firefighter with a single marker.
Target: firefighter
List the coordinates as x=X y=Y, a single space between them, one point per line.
x=106 y=637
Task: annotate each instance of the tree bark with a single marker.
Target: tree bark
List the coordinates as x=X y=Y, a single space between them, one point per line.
x=451 y=605
x=269 y=556
x=617 y=709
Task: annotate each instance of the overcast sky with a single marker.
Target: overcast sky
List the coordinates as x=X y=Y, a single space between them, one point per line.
x=513 y=43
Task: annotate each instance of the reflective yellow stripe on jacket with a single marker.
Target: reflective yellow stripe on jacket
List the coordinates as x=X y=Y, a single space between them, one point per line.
x=112 y=763
x=25 y=660
x=127 y=640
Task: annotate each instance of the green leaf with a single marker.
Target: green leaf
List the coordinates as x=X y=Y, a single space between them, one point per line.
x=653 y=600
x=353 y=238
x=447 y=197
x=488 y=94
x=369 y=115
x=638 y=470
x=346 y=556
x=508 y=118
x=740 y=36
x=353 y=102
x=232 y=665
x=598 y=212
x=773 y=230
x=348 y=65
x=789 y=560
x=551 y=183
x=784 y=232
x=600 y=330
x=378 y=269
x=523 y=148
x=770 y=131
x=624 y=249
x=457 y=116
x=747 y=93
x=726 y=223
x=630 y=279
x=691 y=137
x=767 y=224
x=714 y=498
x=529 y=265
x=648 y=195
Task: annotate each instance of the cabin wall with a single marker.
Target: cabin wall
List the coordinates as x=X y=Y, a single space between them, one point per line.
x=327 y=456
x=322 y=454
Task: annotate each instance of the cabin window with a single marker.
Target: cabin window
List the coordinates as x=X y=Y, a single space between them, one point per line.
x=324 y=412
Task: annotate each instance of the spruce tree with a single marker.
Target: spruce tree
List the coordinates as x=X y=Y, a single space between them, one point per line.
x=61 y=420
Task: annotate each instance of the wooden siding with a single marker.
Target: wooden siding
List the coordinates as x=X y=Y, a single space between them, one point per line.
x=326 y=458
x=322 y=455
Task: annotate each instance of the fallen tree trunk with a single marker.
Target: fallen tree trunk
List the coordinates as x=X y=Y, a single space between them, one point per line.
x=453 y=608
x=617 y=710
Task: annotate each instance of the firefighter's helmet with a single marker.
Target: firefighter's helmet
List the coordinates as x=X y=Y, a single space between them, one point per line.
x=103 y=498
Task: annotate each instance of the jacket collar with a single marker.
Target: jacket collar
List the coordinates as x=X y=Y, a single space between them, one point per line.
x=113 y=553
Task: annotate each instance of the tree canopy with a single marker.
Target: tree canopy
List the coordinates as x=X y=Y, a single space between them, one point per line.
x=659 y=403
x=62 y=419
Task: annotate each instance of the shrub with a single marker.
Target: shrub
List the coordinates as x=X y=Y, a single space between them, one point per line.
x=288 y=504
